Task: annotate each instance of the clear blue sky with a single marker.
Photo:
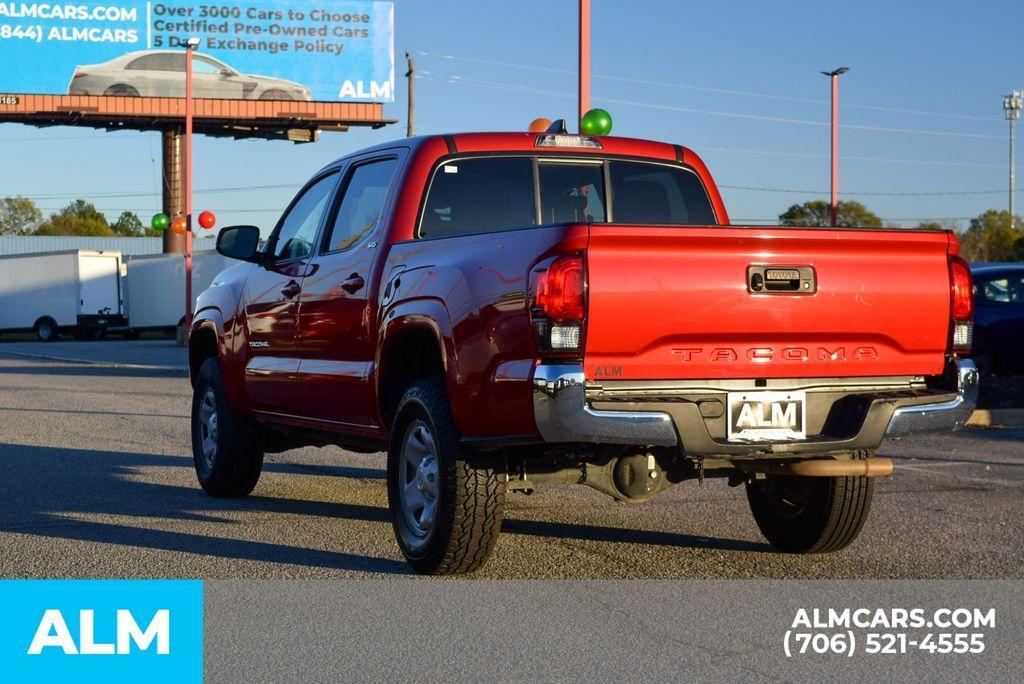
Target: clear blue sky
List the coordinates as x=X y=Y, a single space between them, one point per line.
x=666 y=58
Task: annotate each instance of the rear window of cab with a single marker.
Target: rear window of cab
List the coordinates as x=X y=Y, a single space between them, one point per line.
x=487 y=194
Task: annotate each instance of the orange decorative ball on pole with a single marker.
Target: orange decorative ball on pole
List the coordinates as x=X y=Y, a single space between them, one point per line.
x=179 y=225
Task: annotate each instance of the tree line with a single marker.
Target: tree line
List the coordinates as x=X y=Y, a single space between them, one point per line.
x=991 y=236
x=21 y=216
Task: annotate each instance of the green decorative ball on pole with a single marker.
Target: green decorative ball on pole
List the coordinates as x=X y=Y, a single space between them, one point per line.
x=596 y=122
x=160 y=221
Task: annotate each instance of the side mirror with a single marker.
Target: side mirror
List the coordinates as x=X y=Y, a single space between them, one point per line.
x=240 y=242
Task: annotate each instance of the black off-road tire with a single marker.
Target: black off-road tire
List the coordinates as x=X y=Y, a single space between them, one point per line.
x=823 y=514
x=235 y=466
x=471 y=488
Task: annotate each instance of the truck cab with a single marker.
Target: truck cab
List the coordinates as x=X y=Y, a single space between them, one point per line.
x=498 y=311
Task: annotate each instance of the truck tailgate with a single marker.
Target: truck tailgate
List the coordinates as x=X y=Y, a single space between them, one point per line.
x=674 y=303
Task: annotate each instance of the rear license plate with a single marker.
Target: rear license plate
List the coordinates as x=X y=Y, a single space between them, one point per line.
x=767 y=416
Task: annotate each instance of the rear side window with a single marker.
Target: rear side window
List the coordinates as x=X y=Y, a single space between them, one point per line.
x=362 y=203
x=661 y=195
x=480 y=195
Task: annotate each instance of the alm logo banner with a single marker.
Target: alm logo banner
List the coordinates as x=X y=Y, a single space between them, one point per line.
x=101 y=630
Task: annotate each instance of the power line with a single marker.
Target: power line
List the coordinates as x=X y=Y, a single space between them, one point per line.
x=847 y=157
x=455 y=79
x=147 y=193
x=871 y=193
x=723 y=91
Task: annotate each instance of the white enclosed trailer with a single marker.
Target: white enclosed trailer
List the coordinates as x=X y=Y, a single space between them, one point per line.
x=156 y=287
x=77 y=292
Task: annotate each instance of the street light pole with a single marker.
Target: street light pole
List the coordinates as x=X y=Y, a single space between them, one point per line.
x=834 y=77
x=411 y=113
x=190 y=45
x=1012 y=105
x=584 y=63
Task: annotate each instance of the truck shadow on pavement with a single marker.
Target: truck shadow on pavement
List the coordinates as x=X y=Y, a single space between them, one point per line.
x=80 y=370
x=53 y=492
x=58 y=493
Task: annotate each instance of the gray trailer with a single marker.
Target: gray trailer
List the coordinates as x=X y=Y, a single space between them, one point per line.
x=74 y=292
x=156 y=288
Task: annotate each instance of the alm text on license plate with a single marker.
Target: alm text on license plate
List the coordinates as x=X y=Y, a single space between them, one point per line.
x=767 y=416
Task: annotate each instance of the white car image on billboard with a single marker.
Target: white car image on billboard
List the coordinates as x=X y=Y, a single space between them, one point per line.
x=161 y=73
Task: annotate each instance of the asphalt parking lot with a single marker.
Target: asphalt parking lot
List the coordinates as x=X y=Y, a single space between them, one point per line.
x=96 y=480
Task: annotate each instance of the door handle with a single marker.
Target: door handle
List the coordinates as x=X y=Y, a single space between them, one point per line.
x=354 y=283
x=292 y=289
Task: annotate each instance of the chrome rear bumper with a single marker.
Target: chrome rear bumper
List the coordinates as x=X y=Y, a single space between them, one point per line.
x=563 y=415
x=946 y=415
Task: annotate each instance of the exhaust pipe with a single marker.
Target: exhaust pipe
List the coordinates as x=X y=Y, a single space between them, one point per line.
x=825 y=467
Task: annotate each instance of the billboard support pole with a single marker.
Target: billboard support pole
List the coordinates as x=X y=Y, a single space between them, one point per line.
x=584 y=66
x=173 y=176
x=189 y=104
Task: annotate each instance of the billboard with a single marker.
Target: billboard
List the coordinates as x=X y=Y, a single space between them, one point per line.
x=252 y=49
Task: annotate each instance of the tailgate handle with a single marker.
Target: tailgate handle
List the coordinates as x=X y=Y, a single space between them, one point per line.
x=776 y=279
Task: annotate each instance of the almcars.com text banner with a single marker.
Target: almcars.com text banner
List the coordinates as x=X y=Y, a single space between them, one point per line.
x=253 y=49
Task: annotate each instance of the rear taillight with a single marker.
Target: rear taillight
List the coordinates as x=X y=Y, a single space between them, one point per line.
x=558 y=304
x=79 y=74
x=961 y=299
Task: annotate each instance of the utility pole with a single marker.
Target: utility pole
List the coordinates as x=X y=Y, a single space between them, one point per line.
x=584 y=66
x=834 y=77
x=1012 y=105
x=411 y=75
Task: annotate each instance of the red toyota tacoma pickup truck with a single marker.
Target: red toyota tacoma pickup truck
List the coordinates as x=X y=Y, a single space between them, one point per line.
x=498 y=311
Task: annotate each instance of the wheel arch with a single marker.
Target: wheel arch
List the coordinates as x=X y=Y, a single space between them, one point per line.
x=414 y=344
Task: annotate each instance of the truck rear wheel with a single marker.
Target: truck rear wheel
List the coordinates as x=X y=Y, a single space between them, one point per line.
x=446 y=502
x=810 y=514
x=227 y=447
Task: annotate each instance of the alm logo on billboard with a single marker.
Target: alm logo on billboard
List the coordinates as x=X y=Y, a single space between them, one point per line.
x=357 y=90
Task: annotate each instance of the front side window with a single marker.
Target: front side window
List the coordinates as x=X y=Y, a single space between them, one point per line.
x=480 y=195
x=362 y=204
x=654 y=194
x=297 y=229
x=202 y=66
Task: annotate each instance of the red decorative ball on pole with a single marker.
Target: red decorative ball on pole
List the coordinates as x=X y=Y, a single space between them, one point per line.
x=207 y=220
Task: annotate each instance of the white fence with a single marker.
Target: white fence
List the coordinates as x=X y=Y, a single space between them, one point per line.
x=31 y=244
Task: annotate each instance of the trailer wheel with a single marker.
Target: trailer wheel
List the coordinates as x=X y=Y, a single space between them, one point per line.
x=446 y=501
x=227 y=447
x=46 y=329
x=810 y=514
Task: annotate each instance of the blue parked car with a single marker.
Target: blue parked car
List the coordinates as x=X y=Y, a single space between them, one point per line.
x=998 y=318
